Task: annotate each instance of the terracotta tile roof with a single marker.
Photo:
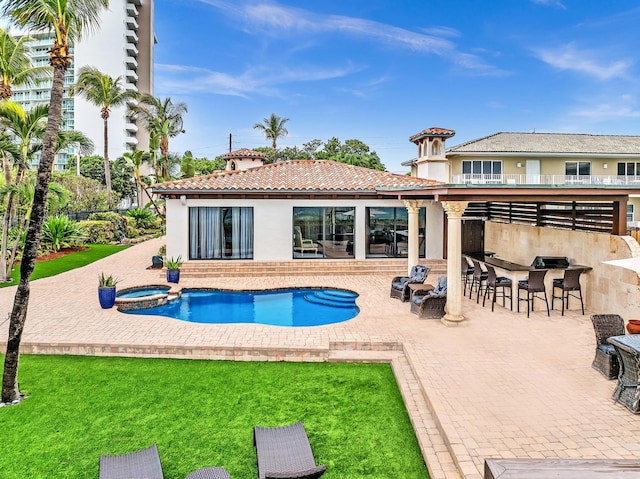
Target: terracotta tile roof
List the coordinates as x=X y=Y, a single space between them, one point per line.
x=296 y=176
x=433 y=131
x=245 y=153
x=561 y=143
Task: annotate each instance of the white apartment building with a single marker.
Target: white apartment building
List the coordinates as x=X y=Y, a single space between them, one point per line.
x=123 y=46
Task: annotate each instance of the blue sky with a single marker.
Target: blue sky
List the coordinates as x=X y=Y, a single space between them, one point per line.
x=382 y=70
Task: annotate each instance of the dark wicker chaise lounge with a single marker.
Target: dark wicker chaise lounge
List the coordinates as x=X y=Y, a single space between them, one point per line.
x=285 y=452
x=145 y=464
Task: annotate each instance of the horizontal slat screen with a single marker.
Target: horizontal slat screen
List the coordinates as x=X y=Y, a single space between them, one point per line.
x=583 y=216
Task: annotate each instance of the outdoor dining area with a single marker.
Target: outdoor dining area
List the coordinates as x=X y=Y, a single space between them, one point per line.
x=492 y=277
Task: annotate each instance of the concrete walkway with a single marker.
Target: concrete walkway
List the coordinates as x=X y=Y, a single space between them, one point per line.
x=504 y=385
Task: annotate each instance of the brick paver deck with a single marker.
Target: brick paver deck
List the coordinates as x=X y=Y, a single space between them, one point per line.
x=503 y=385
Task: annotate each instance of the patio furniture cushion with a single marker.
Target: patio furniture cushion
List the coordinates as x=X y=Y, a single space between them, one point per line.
x=399 y=284
x=607 y=348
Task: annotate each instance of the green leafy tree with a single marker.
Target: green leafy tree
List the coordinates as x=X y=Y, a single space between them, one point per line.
x=105 y=92
x=163 y=119
x=85 y=194
x=352 y=152
x=67 y=19
x=294 y=153
x=204 y=166
x=273 y=128
x=121 y=172
x=136 y=159
x=187 y=165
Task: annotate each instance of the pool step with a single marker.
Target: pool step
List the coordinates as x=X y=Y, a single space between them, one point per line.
x=318 y=298
x=336 y=296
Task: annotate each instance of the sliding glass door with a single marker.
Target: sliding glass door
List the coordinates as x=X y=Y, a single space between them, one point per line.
x=220 y=233
x=320 y=232
x=389 y=232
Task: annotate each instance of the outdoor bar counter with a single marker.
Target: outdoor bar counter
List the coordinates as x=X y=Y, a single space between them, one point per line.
x=517 y=272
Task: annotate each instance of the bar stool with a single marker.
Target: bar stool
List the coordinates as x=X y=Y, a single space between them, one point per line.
x=479 y=276
x=467 y=274
x=494 y=283
x=568 y=286
x=533 y=286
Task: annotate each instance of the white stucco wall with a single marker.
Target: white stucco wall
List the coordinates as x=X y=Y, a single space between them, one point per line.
x=607 y=289
x=273 y=224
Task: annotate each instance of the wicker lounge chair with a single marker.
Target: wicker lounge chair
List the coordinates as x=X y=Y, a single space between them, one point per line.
x=285 y=452
x=431 y=303
x=399 y=284
x=606 y=359
x=145 y=464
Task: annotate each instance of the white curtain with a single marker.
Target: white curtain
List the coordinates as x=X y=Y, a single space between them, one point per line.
x=207 y=235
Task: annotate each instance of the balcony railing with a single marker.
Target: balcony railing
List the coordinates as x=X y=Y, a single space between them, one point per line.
x=568 y=180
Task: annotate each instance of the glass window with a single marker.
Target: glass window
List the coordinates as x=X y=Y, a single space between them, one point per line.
x=482 y=167
x=323 y=232
x=220 y=233
x=628 y=169
x=389 y=232
x=575 y=168
x=630 y=211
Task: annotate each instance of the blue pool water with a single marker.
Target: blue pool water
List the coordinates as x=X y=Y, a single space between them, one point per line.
x=143 y=291
x=290 y=307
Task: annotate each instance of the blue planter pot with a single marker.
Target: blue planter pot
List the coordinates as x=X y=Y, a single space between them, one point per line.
x=173 y=275
x=107 y=297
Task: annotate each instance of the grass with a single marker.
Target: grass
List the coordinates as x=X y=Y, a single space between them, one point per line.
x=44 y=269
x=201 y=413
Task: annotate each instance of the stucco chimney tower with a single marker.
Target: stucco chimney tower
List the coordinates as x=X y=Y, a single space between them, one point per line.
x=431 y=161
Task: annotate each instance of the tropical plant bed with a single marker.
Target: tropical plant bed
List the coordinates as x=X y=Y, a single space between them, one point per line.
x=201 y=413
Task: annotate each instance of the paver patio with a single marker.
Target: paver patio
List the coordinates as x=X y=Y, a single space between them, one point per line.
x=503 y=385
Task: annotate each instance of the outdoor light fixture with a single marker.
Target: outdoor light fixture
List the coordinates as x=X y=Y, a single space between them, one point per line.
x=183 y=199
x=605 y=166
x=518 y=165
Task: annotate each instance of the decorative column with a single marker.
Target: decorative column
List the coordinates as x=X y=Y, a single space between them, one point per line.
x=454 y=210
x=413 y=255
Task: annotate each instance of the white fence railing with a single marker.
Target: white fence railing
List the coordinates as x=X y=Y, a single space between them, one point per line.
x=601 y=180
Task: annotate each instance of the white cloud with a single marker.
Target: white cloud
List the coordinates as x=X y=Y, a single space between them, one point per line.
x=550 y=3
x=260 y=81
x=623 y=107
x=278 y=20
x=589 y=62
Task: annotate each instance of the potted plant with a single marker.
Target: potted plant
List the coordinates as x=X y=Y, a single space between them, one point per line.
x=107 y=290
x=173 y=269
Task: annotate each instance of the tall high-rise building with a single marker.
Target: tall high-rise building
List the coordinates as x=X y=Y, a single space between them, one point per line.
x=122 y=46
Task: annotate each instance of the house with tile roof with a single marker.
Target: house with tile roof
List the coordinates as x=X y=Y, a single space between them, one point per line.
x=557 y=159
x=297 y=209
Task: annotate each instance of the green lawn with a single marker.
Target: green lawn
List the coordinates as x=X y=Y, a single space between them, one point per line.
x=201 y=413
x=71 y=261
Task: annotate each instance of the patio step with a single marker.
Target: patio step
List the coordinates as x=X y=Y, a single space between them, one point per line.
x=243 y=268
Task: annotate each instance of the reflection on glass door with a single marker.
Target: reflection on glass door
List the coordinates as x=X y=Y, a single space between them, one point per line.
x=389 y=232
x=323 y=232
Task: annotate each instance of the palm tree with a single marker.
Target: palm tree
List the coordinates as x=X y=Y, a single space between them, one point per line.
x=27 y=129
x=136 y=158
x=15 y=65
x=273 y=128
x=106 y=92
x=163 y=120
x=68 y=20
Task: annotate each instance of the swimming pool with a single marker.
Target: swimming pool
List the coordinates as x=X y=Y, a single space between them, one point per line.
x=282 y=307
